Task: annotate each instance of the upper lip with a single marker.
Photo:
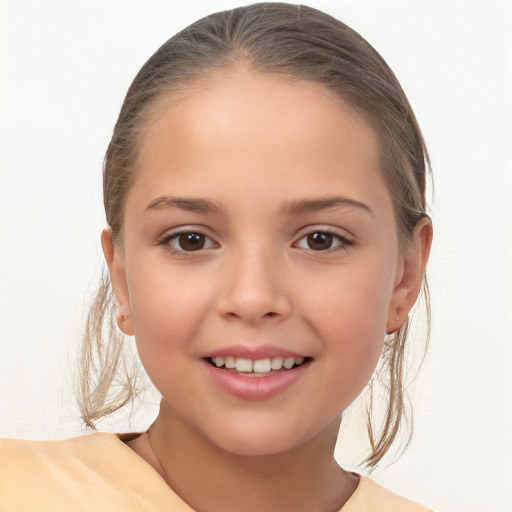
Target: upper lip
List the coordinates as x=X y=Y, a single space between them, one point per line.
x=253 y=352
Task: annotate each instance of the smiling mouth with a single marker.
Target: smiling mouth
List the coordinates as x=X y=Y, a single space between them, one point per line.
x=259 y=367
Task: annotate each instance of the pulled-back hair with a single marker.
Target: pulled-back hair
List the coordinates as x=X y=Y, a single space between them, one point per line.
x=297 y=43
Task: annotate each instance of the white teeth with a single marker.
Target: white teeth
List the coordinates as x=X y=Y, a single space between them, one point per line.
x=261 y=366
x=277 y=363
x=230 y=362
x=242 y=364
x=289 y=362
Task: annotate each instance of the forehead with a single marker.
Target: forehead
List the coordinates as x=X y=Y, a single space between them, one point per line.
x=241 y=127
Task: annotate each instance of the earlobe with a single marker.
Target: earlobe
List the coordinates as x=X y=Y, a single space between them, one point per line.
x=407 y=289
x=117 y=270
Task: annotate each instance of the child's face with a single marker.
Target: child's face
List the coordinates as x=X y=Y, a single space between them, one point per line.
x=258 y=226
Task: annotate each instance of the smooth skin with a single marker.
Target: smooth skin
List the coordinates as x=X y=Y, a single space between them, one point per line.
x=258 y=215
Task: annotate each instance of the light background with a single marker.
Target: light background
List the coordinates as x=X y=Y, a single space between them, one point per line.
x=64 y=69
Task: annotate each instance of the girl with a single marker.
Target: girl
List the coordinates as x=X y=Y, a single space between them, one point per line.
x=267 y=237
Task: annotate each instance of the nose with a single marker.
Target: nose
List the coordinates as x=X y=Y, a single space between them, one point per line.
x=253 y=288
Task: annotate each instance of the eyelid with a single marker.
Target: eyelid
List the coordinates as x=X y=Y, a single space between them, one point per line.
x=325 y=228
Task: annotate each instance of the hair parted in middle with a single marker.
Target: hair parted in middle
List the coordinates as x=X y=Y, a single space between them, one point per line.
x=290 y=42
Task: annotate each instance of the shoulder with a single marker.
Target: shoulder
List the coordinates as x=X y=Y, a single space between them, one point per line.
x=372 y=497
x=92 y=472
x=48 y=473
x=54 y=449
x=35 y=458
x=32 y=456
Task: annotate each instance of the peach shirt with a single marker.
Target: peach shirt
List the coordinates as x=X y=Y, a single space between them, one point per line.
x=99 y=472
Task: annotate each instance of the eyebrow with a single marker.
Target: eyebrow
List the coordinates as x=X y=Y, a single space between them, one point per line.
x=288 y=208
x=184 y=203
x=322 y=203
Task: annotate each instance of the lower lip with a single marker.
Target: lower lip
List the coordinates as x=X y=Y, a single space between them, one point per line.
x=255 y=388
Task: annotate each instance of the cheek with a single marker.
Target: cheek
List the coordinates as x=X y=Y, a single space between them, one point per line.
x=349 y=317
x=354 y=301
x=355 y=341
x=168 y=309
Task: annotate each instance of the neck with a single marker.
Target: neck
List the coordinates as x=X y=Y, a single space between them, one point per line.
x=209 y=478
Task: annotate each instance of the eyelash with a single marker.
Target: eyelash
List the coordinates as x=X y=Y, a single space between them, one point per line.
x=342 y=241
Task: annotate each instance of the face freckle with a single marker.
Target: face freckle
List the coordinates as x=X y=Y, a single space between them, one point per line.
x=258 y=225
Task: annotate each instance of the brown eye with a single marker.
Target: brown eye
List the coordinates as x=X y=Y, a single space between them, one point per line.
x=191 y=241
x=187 y=241
x=319 y=241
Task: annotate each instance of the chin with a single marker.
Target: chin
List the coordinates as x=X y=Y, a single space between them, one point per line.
x=245 y=447
x=258 y=438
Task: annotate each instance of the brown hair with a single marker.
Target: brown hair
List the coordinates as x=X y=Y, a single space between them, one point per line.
x=295 y=42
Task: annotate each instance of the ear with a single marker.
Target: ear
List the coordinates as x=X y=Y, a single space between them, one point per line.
x=117 y=270
x=408 y=286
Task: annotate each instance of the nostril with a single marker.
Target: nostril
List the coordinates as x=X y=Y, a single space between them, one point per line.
x=270 y=314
